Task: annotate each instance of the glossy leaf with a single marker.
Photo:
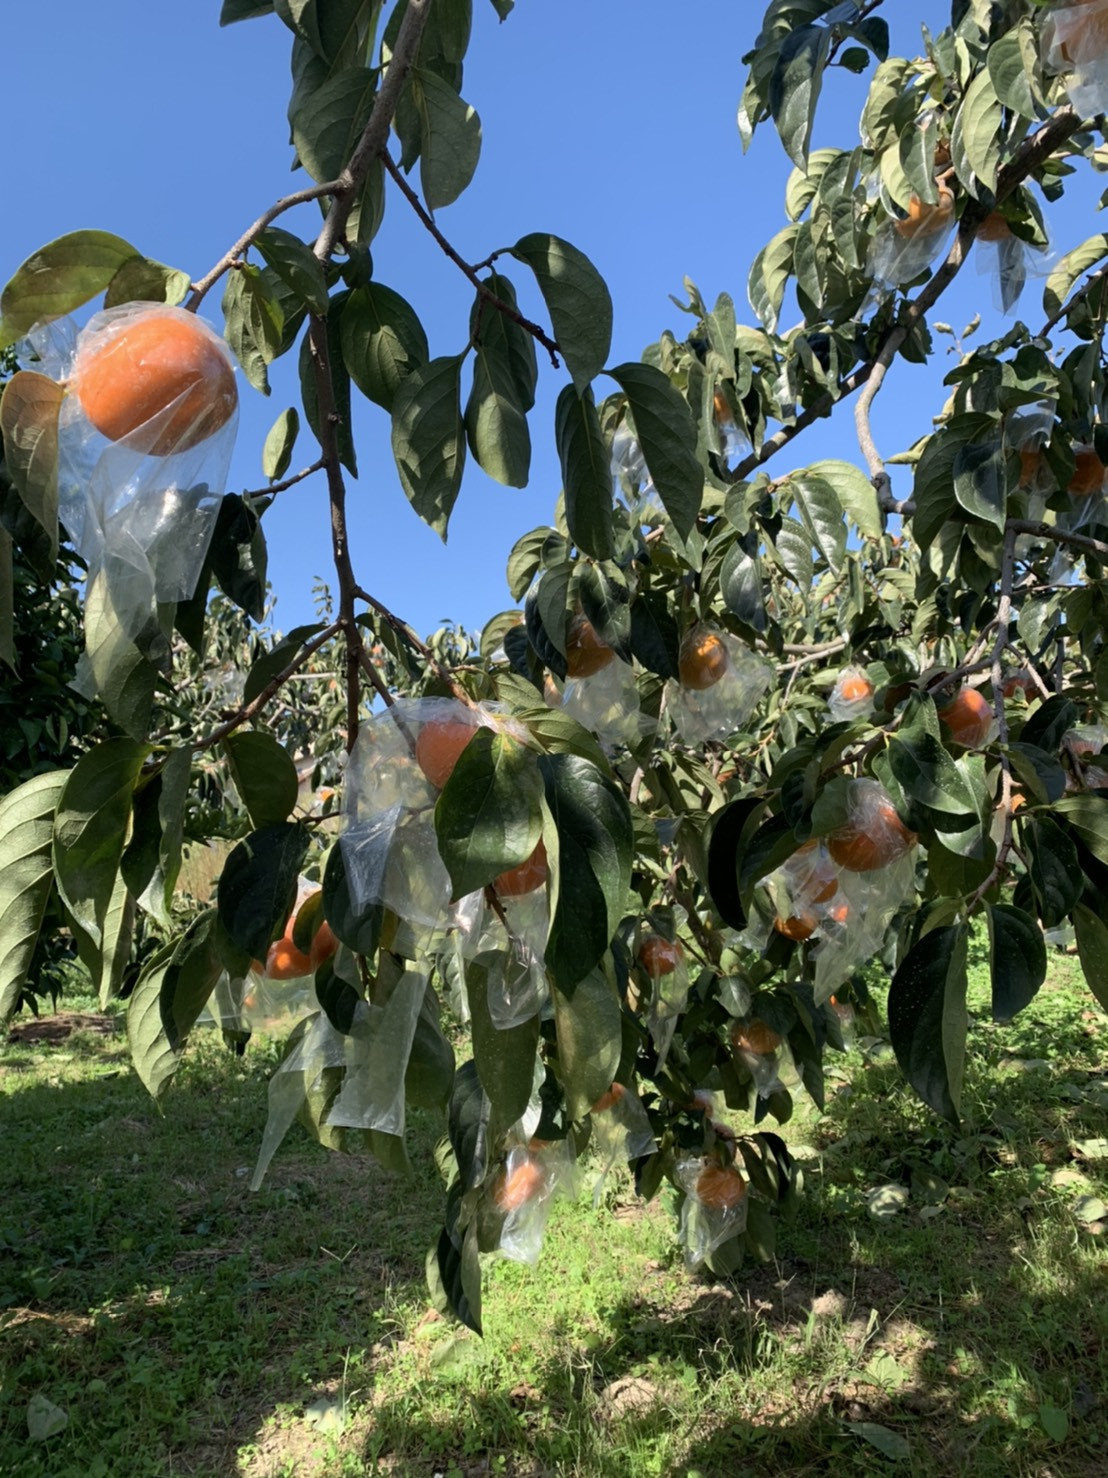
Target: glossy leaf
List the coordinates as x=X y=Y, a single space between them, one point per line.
x=666 y=433
x=577 y=300
x=496 y=422
x=927 y=1018
x=586 y=476
x=1053 y=867
x=428 y=439
x=26 y=876
x=258 y=887
x=296 y=265
x=588 y=1025
x=310 y=373
x=1017 y=959
x=264 y=775
x=253 y=323
x=382 y=341
x=59 y=278
x=90 y=829
x=795 y=87
x=279 y=442
x=489 y=816
x=505 y=1059
x=1092 y=949
x=29 y=422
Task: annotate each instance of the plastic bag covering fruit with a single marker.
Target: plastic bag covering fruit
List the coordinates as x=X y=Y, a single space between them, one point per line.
x=902 y=249
x=1088 y=473
x=389 y=848
x=855 y=926
x=663 y=960
x=765 y=1055
x=1075 y=40
x=805 y=891
x=523 y=1186
x=968 y=718
x=852 y=696
x=1027 y=431
x=721 y=684
x=145 y=435
x=844 y=1015
x=361 y=1072
x=1007 y=260
x=607 y=701
x=621 y=1132
x=714 y=1209
x=873 y=835
x=733 y=443
x=510 y=954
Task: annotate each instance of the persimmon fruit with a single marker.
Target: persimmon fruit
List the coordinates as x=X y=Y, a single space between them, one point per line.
x=703 y=660
x=994 y=227
x=659 y=956
x=586 y=653
x=797 y=926
x=854 y=687
x=439 y=745
x=516 y=1186
x=720 y=1186
x=1088 y=473
x=324 y=945
x=873 y=835
x=927 y=220
x=1031 y=459
x=609 y=1099
x=164 y=365
x=969 y=718
x=525 y=878
x=757 y=1037
x=285 y=962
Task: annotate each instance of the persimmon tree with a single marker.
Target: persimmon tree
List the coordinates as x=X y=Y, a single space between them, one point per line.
x=754 y=721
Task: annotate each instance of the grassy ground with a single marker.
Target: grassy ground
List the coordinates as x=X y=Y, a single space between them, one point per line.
x=189 y=1327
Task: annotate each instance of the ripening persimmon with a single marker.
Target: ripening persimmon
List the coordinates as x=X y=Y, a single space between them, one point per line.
x=439 y=745
x=660 y=956
x=1031 y=459
x=703 y=659
x=285 y=962
x=818 y=874
x=525 y=878
x=994 y=227
x=164 y=367
x=757 y=1037
x=586 y=653
x=516 y=1186
x=609 y=1099
x=1088 y=473
x=927 y=220
x=720 y=1187
x=969 y=718
x=324 y=945
x=854 y=687
x=873 y=835
x=798 y=926
x=1018 y=682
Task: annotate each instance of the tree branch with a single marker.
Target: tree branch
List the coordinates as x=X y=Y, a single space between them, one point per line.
x=1068 y=306
x=1056 y=535
x=471 y=272
x=289 y=482
x=254 y=707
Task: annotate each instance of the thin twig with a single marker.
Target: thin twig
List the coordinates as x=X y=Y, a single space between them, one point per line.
x=1067 y=307
x=405 y=632
x=471 y=272
x=1055 y=535
x=254 y=707
x=288 y=482
x=228 y=260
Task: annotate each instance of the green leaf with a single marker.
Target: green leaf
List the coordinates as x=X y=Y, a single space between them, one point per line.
x=243 y=10
x=979 y=125
x=151 y=862
x=923 y=768
x=258 y=887
x=1060 y=283
x=979 y=481
x=558 y=733
x=382 y=341
x=605 y=602
x=890 y=1444
x=340 y=383
x=264 y=774
x=7 y=602
x=296 y=265
x=430 y=1072
x=29 y=421
x=577 y=300
x=489 y=816
x=768 y=275
x=822 y=516
x=58 y=278
x=169 y=995
x=26 y=876
x=795 y=87
x=279 y=442
x=1088 y=815
x=927 y=1018
x=328 y=122
x=1054 y=868
x=450 y=138
x=358 y=929
x=238 y=556
x=1092 y=950
x=655 y=636
x=90 y=829
x=494 y=330
x=428 y=439
x=143 y=281
x=117 y=939
x=1017 y=959
x=505 y=1059
x=453 y=1263
x=854 y=492
x=586 y=475
x=253 y=322
x=1012 y=60
x=496 y=421
x=666 y=433
x=593 y=869
x=124 y=675
x=742 y=586
x=589 y=1029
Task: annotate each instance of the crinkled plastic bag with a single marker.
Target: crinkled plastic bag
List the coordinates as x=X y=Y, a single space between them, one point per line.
x=902 y=249
x=704 y=1225
x=868 y=901
x=1008 y=261
x=140 y=478
x=765 y=1055
x=373 y=1056
x=1075 y=41
x=722 y=683
x=621 y=1132
x=512 y=957
x=607 y=703
x=523 y=1187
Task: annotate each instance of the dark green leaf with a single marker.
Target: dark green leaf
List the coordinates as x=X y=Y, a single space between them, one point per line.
x=328 y=120
x=1017 y=959
x=279 y=442
x=26 y=876
x=923 y=768
x=258 y=887
x=450 y=138
x=237 y=555
x=428 y=439
x=489 y=816
x=577 y=300
x=655 y=636
x=927 y=1018
x=243 y=10
x=29 y=421
x=1053 y=866
x=1088 y=815
x=90 y=829
x=264 y=774
x=586 y=475
x=666 y=433
x=382 y=341
x=1092 y=948
x=795 y=87
x=254 y=320
x=589 y=1030
x=340 y=383
x=505 y=1059
x=152 y=860
x=742 y=586
x=358 y=929
x=979 y=481
x=496 y=422
x=296 y=265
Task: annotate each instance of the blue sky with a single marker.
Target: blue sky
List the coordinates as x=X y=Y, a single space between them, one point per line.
x=606 y=122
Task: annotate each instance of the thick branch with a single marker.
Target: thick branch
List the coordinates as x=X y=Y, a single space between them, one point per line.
x=471 y=272
x=1055 y=535
x=255 y=706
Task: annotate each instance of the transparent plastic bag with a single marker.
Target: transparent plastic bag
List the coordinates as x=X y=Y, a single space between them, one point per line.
x=856 y=932
x=721 y=684
x=663 y=961
x=714 y=1209
x=852 y=696
x=523 y=1187
x=904 y=248
x=1007 y=260
x=145 y=435
x=607 y=703
x=765 y=1055
x=872 y=835
x=1075 y=39
x=805 y=891
x=621 y=1132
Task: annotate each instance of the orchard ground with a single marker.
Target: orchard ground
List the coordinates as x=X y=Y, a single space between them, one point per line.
x=939 y=1307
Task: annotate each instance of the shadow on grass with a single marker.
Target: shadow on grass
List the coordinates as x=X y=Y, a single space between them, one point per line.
x=186 y=1325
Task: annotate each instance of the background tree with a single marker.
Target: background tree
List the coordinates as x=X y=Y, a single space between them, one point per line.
x=748 y=729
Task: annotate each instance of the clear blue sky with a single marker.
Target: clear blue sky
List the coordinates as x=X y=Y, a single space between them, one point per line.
x=606 y=122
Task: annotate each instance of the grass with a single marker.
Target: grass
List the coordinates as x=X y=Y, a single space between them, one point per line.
x=188 y=1327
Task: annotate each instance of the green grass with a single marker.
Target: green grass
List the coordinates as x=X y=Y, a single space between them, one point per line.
x=189 y=1327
